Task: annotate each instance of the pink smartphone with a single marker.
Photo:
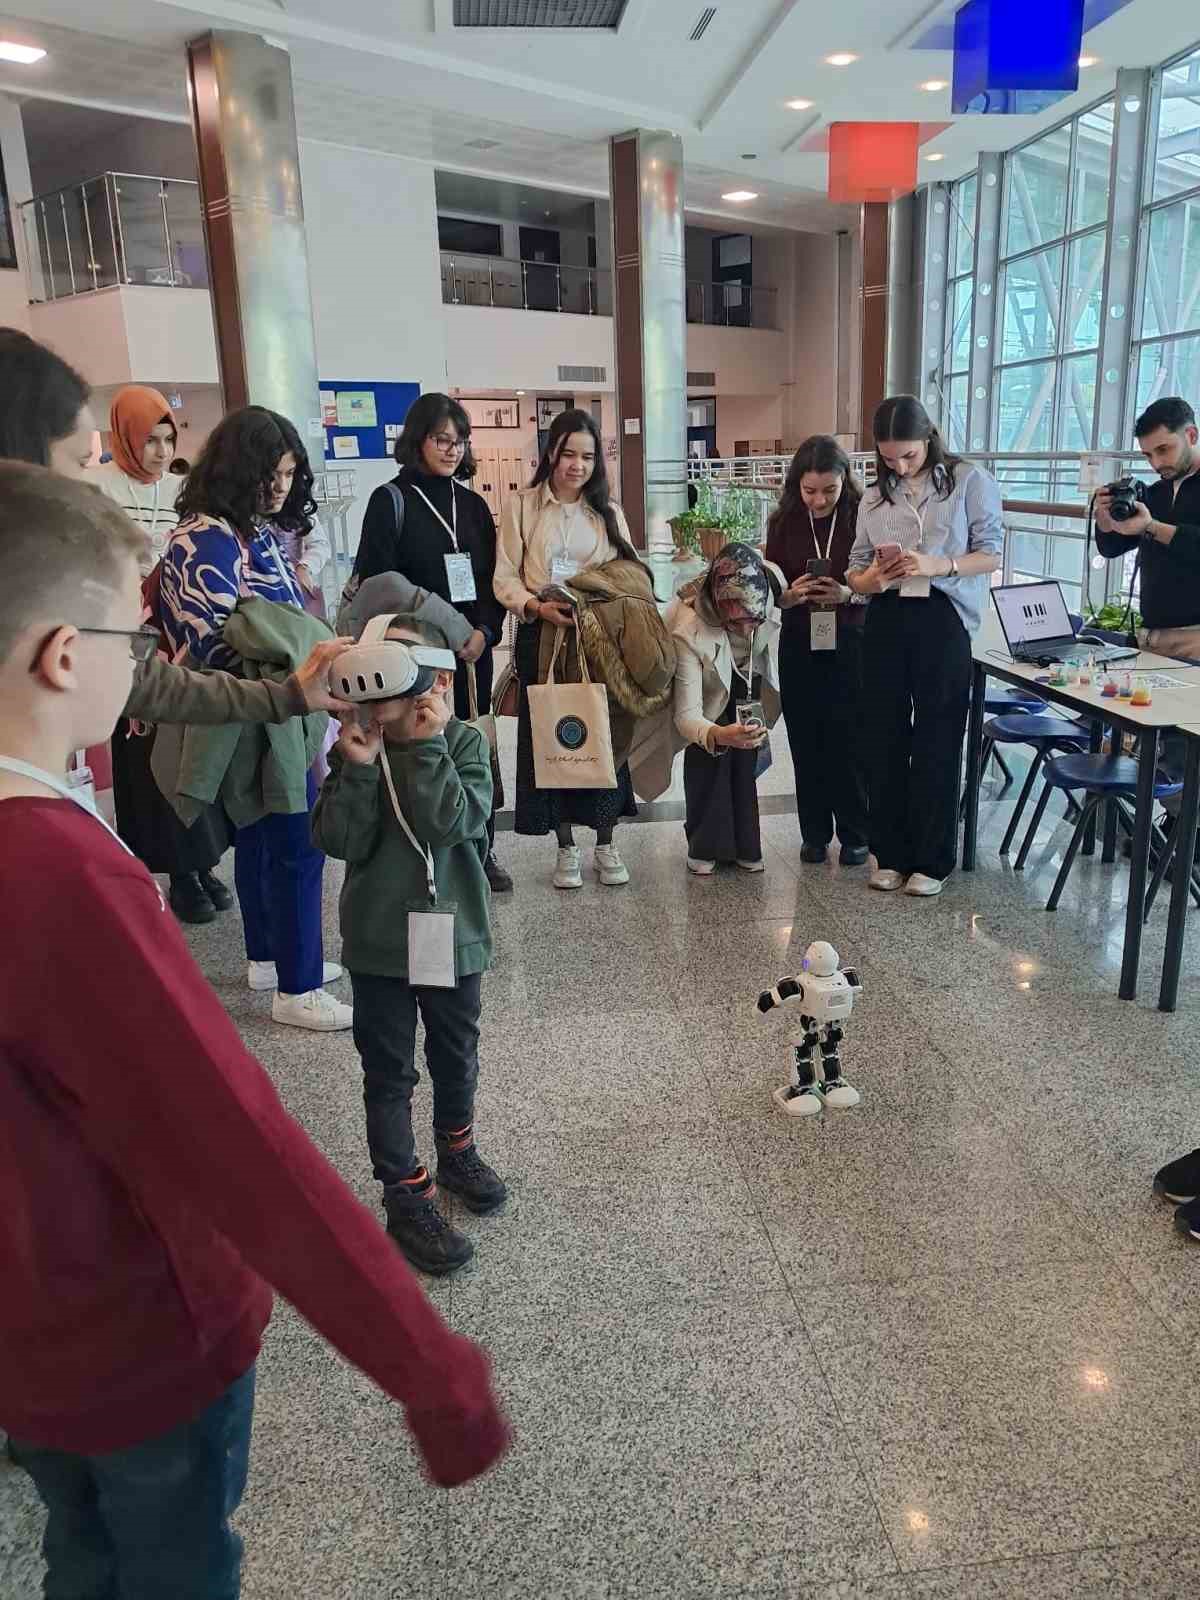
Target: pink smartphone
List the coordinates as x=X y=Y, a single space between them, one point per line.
x=885 y=554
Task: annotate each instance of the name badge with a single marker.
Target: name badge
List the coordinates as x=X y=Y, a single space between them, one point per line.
x=460 y=576
x=431 y=948
x=916 y=588
x=562 y=569
x=822 y=630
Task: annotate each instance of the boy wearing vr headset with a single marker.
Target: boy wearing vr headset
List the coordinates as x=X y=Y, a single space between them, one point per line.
x=406 y=806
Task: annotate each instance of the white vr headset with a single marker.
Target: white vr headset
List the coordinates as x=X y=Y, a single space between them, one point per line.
x=379 y=668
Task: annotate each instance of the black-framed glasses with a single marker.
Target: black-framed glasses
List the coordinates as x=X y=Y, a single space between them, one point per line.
x=449 y=441
x=143 y=642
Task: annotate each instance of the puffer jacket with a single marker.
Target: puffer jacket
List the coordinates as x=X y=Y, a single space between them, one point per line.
x=629 y=648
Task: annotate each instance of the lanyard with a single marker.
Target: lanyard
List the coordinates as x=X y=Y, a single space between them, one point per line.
x=421 y=849
x=451 y=527
x=824 y=554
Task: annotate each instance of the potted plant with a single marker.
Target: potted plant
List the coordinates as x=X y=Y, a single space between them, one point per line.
x=715 y=521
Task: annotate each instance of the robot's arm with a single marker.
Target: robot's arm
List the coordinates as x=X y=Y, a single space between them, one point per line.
x=852 y=978
x=784 y=992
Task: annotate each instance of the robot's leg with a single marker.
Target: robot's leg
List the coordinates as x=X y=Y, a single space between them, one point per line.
x=835 y=1090
x=801 y=1098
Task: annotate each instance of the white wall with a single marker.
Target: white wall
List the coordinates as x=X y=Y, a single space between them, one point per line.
x=133 y=334
x=742 y=417
x=810 y=402
x=14 y=288
x=144 y=146
x=745 y=360
x=491 y=347
x=373 y=264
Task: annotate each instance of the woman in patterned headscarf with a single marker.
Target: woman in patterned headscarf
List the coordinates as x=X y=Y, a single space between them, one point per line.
x=726 y=633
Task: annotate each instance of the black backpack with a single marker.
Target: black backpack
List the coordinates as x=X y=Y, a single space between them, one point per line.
x=354 y=581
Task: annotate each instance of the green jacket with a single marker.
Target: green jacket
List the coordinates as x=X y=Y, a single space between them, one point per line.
x=162 y=692
x=444 y=786
x=255 y=770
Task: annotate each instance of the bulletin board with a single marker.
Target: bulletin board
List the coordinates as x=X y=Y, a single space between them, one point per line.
x=363 y=420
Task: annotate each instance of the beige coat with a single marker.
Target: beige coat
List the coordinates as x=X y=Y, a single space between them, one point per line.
x=530 y=533
x=703 y=683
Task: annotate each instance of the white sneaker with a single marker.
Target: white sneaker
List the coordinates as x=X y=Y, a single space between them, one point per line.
x=568 y=874
x=316 y=1010
x=842 y=1097
x=613 y=871
x=263 y=975
x=702 y=869
x=791 y=1104
x=753 y=866
x=920 y=884
x=884 y=878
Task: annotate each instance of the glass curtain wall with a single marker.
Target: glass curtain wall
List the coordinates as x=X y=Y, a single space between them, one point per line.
x=960 y=302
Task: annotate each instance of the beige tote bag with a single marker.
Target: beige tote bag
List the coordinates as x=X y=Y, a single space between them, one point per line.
x=572 y=740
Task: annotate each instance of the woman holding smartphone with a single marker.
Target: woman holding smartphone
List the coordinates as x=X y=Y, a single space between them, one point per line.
x=929 y=533
x=820 y=651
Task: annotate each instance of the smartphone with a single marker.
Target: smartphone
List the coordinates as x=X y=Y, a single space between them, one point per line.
x=820 y=569
x=885 y=554
x=750 y=714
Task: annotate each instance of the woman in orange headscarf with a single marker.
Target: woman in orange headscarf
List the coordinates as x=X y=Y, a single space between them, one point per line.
x=143 y=444
x=138 y=479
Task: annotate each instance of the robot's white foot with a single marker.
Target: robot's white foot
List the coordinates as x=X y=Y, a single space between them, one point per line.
x=796 y=1105
x=841 y=1097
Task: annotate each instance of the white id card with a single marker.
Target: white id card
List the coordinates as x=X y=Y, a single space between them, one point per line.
x=822 y=630
x=431 y=949
x=915 y=589
x=563 y=569
x=460 y=575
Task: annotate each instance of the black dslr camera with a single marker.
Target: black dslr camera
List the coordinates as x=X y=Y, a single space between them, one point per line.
x=1127 y=494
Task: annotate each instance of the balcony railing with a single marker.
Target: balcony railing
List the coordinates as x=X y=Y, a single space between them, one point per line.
x=525 y=285
x=732 y=305
x=117 y=228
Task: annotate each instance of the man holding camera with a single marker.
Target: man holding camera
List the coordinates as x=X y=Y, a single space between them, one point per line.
x=1164 y=527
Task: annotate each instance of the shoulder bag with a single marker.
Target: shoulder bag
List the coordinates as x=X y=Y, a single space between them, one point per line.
x=354 y=581
x=572 y=738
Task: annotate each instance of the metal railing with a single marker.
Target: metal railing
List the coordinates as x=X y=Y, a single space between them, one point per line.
x=117 y=228
x=1045 y=514
x=732 y=305
x=525 y=285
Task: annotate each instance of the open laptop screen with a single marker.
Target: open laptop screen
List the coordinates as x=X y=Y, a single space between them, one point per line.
x=1031 y=613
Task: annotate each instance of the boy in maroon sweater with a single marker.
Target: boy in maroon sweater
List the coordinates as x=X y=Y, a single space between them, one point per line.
x=151 y=1184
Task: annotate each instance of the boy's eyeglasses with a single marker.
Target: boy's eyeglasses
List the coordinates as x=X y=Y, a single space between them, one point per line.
x=143 y=642
x=449 y=441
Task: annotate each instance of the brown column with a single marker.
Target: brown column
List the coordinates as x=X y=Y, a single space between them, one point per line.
x=873 y=241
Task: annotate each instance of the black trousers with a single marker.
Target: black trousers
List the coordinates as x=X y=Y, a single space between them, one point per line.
x=917 y=689
x=822 y=709
x=385 y=1036
x=462 y=710
x=721 y=801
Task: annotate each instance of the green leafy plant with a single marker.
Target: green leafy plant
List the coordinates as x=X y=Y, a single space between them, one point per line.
x=1113 y=617
x=733 y=512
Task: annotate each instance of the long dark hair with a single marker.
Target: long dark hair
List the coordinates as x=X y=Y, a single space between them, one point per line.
x=902 y=416
x=819 y=453
x=234 y=471
x=426 y=415
x=40 y=398
x=597 y=491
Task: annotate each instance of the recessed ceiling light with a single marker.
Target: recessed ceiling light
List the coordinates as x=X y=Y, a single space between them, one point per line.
x=843 y=58
x=934 y=85
x=520 y=394
x=1089 y=61
x=935 y=156
x=799 y=105
x=739 y=195
x=750 y=157
x=25 y=54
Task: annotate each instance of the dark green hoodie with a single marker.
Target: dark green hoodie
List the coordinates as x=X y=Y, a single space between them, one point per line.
x=444 y=786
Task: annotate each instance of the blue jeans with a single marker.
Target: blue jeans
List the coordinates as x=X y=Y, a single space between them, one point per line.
x=277 y=873
x=150 y=1522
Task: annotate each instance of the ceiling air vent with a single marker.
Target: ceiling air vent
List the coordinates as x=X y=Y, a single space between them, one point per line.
x=538 y=13
x=702 y=22
x=583 y=374
x=482 y=144
x=702 y=380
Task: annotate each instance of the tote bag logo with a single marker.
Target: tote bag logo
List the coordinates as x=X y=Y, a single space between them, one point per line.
x=571 y=733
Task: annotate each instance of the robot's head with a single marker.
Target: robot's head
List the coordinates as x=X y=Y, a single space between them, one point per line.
x=821 y=959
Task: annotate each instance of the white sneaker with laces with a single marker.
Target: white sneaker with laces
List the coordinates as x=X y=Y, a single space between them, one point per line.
x=702 y=869
x=316 y=1010
x=884 y=878
x=613 y=871
x=568 y=874
x=922 y=885
x=753 y=866
x=263 y=975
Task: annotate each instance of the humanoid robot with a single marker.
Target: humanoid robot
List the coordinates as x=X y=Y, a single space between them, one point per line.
x=826 y=997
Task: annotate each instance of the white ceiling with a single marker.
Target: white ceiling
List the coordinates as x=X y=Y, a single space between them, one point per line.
x=394 y=75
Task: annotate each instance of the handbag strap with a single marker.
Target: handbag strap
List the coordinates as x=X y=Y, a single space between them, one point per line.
x=472 y=692
x=560 y=635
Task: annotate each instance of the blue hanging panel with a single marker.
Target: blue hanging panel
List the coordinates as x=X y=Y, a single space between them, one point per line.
x=1015 y=55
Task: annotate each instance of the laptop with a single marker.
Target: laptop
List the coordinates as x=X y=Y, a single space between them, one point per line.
x=1038 y=626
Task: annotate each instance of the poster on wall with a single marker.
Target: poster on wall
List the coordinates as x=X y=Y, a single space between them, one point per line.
x=363 y=420
x=492 y=413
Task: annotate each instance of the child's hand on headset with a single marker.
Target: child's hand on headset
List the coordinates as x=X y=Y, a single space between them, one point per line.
x=425 y=717
x=358 y=745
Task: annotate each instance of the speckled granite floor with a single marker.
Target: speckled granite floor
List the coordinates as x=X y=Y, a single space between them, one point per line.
x=940 y=1348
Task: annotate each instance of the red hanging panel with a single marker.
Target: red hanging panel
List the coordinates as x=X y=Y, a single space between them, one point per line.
x=872 y=161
